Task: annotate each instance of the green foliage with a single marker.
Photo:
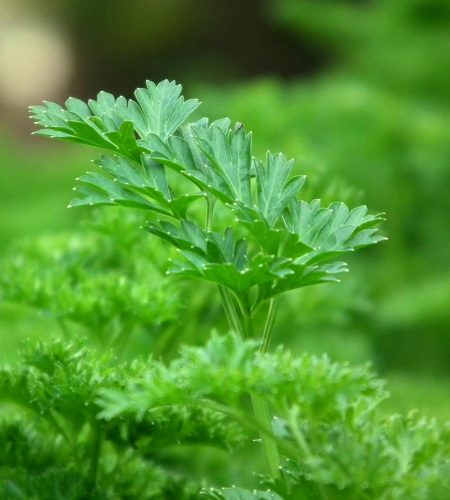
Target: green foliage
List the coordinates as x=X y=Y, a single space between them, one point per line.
x=324 y=388
x=140 y=429
x=110 y=123
x=98 y=279
x=393 y=150
x=217 y=158
x=117 y=421
x=239 y=494
x=60 y=384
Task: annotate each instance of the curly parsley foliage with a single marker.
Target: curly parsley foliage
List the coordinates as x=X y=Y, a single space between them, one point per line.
x=97 y=278
x=100 y=426
x=335 y=442
x=68 y=446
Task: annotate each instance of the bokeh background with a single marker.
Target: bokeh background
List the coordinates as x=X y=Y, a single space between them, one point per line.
x=356 y=91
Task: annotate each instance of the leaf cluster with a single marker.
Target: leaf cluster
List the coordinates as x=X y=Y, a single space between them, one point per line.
x=67 y=441
x=326 y=422
x=94 y=416
x=105 y=278
x=276 y=243
x=237 y=222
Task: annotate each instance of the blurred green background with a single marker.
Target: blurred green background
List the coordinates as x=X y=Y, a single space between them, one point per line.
x=356 y=91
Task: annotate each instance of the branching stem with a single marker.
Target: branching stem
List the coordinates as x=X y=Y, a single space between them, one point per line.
x=268 y=328
x=260 y=407
x=262 y=415
x=230 y=312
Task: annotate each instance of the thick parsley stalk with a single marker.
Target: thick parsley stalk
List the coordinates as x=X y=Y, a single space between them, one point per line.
x=260 y=406
x=268 y=328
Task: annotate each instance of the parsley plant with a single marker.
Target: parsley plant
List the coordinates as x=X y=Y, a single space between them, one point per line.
x=276 y=243
x=106 y=429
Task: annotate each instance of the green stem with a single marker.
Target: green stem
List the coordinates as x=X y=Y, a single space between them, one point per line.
x=95 y=455
x=210 y=202
x=262 y=414
x=293 y=414
x=268 y=329
x=247 y=315
x=252 y=423
x=230 y=312
x=260 y=407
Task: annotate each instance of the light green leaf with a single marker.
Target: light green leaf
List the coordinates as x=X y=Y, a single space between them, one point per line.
x=273 y=240
x=275 y=189
x=123 y=182
x=333 y=230
x=261 y=270
x=163 y=108
x=304 y=275
x=234 y=493
x=94 y=125
x=187 y=237
x=229 y=156
x=112 y=124
x=216 y=158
